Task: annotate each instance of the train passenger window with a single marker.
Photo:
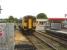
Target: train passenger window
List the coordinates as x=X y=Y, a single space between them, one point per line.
x=25 y=21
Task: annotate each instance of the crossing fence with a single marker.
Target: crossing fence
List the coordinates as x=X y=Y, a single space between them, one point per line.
x=6 y=36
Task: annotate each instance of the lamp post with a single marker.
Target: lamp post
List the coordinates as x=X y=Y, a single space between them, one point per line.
x=65 y=17
x=65 y=22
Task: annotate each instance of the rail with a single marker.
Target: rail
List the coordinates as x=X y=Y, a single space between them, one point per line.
x=54 y=37
x=52 y=43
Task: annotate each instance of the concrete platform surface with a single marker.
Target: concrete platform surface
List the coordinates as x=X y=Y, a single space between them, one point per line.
x=64 y=31
x=20 y=38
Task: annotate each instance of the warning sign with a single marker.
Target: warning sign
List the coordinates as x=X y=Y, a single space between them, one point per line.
x=0 y=34
x=1 y=31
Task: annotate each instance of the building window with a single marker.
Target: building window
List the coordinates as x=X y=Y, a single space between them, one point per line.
x=41 y=23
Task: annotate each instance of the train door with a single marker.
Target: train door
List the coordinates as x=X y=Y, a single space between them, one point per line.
x=30 y=23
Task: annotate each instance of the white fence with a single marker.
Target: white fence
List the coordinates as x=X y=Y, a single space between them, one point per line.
x=55 y=25
x=6 y=36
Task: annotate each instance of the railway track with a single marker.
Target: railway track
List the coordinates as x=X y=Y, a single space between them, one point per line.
x=56 y=38
x=50 y=42
x=39 y=44
x=41 y=41
x=63 y=37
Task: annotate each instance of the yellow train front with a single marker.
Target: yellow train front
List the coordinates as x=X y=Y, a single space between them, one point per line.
x=28 y=24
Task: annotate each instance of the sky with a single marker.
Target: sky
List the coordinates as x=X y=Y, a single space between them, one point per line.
x=20 y=8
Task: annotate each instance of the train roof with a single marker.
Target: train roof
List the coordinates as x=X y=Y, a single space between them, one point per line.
x=29 y=16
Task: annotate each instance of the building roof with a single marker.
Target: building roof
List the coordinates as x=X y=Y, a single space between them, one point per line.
x=57 y=18
x=41 y=19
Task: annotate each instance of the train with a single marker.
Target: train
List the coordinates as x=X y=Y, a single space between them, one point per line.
x=28 y=24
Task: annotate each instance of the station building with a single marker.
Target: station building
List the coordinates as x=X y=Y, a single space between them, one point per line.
x=40 y=24
x=51 y=23
x=57 y=23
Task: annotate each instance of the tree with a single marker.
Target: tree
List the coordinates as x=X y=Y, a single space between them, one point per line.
x=15 y=20
x=42 y=16
x=11 y=19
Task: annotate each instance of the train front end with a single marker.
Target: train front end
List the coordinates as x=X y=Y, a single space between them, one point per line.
x=29 y=24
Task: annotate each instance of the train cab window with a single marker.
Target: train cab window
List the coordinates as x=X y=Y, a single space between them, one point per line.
x=25 y=21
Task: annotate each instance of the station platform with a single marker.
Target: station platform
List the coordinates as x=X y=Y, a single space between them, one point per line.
x=22 y=43
x=61 y=33
x=64 y=31
x=20 y=38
